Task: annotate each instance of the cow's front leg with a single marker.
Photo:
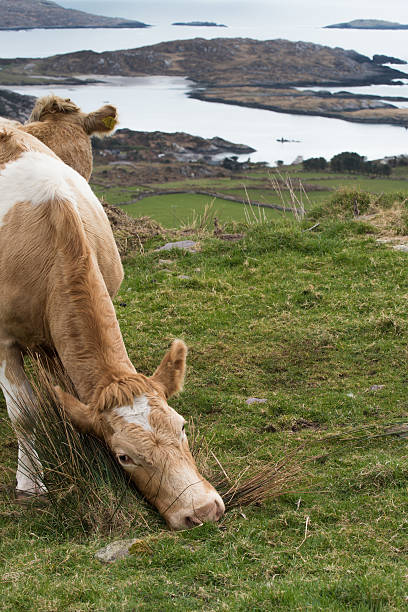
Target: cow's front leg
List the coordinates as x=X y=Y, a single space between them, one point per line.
x=16 y=387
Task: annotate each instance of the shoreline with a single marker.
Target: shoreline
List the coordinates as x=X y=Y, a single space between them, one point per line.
x=78 y=27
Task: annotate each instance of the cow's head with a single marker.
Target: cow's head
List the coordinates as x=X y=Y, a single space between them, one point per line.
x=148 y=438
x=65 y=129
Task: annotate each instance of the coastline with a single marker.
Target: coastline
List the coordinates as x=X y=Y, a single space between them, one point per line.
x=119 y=26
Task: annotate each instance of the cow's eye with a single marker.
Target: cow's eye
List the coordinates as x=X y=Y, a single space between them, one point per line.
x=125 y=459
x=184 y=427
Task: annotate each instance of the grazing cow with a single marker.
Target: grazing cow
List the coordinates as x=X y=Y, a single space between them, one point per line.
x=65 y=129
x=59 y=268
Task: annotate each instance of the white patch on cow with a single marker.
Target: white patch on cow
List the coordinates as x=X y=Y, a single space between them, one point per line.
x=138 y=413
x=10 y=392
x=28 y=465
x=38 y=178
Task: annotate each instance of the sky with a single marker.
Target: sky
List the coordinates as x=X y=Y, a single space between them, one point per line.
x=310 y=12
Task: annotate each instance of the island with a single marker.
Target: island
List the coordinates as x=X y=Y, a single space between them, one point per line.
x=388 y=59
x=239 y=71
x=44 y=14
x=207 y=24
x=369 y=24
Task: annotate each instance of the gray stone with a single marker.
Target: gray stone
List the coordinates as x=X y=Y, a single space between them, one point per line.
x=255 y=400
x=189 y=245
x=376 y=387
x=400 y=247
x=114 y=551
x=184 y=277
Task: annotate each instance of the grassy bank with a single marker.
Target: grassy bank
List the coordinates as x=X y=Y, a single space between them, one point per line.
x=315 y=323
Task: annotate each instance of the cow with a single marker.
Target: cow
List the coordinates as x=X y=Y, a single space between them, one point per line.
x=65 y=129
x=59 y=270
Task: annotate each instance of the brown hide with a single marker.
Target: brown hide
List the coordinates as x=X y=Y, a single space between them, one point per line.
x=65 y=129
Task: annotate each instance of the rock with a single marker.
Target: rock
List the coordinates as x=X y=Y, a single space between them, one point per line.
x=122 y=549
x=114 y=551
x=184 y=277
x=375 y=388
x=255 y=400
x=401 y=247
x=188 y=245
x=165 y=262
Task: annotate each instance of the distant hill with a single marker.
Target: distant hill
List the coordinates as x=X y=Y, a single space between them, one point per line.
x=31 y=14
x=216 y=62
x=369 y=24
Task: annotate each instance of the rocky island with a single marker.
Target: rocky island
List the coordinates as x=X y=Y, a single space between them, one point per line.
x=32 y=14
x=343 y=105
x=240 y=71
x=207 y=24
x=369 y=24
x=154 y=146
x=217 y=62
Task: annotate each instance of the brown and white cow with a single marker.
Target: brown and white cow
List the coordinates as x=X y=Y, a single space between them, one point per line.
x=65 y=129
x=59 y=268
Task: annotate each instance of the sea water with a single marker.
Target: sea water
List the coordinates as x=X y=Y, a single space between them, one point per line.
x=161 y=103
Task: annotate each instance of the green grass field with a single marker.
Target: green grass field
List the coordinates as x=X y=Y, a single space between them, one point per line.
x=178 y=210
x=309 y=321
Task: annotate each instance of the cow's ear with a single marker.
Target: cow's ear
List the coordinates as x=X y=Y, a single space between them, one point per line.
x=170 y=373
x=101 y=121
x=82 y=417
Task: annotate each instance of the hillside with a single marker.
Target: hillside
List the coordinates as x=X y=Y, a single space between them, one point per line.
x=217 y=62
x=31 y=14
x=297 y=340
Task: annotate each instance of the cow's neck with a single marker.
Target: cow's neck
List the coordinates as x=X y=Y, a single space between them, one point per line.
x=84 y=328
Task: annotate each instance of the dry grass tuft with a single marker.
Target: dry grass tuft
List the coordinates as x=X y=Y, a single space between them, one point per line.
x=130 y=233
x=85 y=486
x=391 y=221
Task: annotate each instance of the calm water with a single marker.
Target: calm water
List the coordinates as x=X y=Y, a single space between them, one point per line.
x=161 y=103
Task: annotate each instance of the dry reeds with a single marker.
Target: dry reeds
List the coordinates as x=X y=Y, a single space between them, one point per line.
x=286 y=190
x=85 y=486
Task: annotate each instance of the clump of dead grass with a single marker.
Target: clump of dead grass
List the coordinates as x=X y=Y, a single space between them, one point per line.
x=86 y=488
x=386 y=213
x=131 y=233
x=390 y=221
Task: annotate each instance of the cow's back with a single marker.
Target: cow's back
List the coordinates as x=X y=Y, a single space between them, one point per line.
x=32 y=179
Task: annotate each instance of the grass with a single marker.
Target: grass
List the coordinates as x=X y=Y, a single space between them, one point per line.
x=178 y=210
x=309 y=321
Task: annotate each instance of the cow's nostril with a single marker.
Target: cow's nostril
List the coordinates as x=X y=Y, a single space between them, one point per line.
x=192 y=521
x=219 y=510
